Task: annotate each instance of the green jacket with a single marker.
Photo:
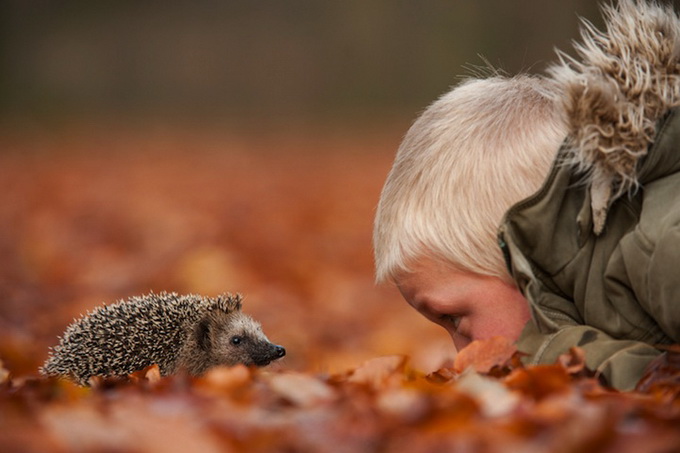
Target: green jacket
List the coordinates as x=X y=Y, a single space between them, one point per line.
x=596 y=250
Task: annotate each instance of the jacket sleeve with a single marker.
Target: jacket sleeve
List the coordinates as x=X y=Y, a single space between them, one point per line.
x=556 y=326
x=620 y=362
x=652 y=254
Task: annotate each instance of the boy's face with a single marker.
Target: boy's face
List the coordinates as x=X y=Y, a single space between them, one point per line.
x=469 y=306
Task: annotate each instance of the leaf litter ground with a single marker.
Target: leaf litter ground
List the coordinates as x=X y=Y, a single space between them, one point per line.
x=286 y=221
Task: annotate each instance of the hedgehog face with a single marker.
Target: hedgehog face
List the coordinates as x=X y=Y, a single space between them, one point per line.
x=236 y=338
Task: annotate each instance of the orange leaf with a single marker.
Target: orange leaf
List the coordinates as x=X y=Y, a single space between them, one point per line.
x=227 y=378
x=150 y=374
x=663 y=373
x=302 y=389
x=483 y=355
x=153 y=374
x=440 y=376
x=4 y=374
x=379 y=371
x=573 y=361
x=539 y=381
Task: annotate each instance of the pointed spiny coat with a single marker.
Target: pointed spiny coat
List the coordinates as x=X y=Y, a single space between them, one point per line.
x=175 y=332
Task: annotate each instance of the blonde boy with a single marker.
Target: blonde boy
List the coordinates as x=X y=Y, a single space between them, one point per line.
x=471 y=155
x=576 y=176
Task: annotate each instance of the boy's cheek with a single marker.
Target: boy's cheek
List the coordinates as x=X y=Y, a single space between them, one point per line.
x=508 y=324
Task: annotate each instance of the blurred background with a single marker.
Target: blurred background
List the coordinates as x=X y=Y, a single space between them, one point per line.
x=210 y=146
x=273 y=61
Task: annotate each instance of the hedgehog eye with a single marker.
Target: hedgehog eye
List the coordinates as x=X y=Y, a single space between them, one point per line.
x=236 y=340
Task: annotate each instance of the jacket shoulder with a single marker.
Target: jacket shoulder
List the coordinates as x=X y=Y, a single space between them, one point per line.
x=614 y=92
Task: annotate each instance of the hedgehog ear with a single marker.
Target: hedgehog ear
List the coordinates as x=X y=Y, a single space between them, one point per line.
x=203 y=334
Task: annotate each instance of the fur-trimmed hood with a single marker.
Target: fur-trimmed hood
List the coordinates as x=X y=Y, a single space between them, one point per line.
x=622 y=82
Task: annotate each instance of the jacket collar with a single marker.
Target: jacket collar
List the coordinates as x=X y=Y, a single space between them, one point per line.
x=622 y=82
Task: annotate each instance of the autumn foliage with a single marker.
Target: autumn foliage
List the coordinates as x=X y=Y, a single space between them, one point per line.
x=286 y=222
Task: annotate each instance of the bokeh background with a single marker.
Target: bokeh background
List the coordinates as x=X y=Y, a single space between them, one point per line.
x=211 y=146
x=234 y=62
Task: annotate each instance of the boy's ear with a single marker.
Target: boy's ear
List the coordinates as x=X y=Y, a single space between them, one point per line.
x=203 y=334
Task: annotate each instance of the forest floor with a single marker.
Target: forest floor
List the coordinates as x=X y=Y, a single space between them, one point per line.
x=286 y=221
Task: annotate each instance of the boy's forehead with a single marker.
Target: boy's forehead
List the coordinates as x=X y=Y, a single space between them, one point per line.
x=435 y=282
x=423 y=276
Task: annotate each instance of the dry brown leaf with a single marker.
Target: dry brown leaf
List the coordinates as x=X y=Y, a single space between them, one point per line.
x=4 y=374
x=153 y=374
x=302 y=389
x=441 y=376
x=574 y=361
x=227 y=378
x=406 y=405
x=483 y=355
x=379 y=372
x=149 y=375
x=493 y=397
x=662 y=375
x=130 y=424
x=539 y=381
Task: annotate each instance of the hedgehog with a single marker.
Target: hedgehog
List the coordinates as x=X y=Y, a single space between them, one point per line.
x=175 y=332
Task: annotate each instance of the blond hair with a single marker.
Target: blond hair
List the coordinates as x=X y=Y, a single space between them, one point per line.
x=477 y=150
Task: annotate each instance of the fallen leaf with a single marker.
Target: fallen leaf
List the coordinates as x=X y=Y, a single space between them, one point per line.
x=495 y=399
x=574 y=361
x=407 y=405
x=226 y=380
x=662 y=374
x=379 y=372
x=4 y=374
x=153 y=374
x=483 y=355
x=441 y=376
x=539 y=381
x=150 y=375
x=301 y=389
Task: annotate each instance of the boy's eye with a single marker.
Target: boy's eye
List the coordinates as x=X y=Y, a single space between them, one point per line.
x=236 y=340
x=451 y=320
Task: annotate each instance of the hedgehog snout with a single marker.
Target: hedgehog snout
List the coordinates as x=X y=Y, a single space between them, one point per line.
x=275 y=352
x=269 y=354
